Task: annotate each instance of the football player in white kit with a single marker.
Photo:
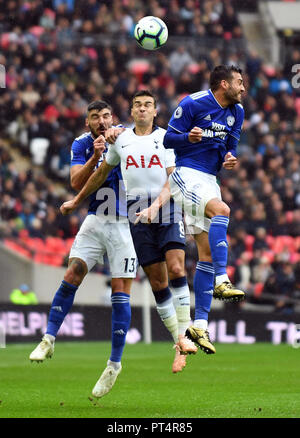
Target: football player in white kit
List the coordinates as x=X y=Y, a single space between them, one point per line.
x=104 y=230
x=155 y=221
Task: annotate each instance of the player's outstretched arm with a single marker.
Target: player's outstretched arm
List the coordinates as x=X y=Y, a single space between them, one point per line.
x=149 y=214
x=93 y=183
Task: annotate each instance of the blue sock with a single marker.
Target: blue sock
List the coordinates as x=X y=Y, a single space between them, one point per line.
x=217 y=237
x=203 y=288
x=120 y=322
x=61 y=305
x=162 y=295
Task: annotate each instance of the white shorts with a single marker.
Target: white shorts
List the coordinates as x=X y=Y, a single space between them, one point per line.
x=192 y=190
x=97 y=237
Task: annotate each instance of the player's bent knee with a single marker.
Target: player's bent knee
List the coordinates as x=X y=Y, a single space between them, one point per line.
x=76 y=272
x=222 y=209
x=176 y=270
x=157 y=285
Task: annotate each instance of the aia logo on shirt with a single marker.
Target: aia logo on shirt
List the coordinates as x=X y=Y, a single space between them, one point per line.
x=154 y=161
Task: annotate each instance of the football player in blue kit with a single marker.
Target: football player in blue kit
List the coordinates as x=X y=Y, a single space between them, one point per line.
x=204 y=131
x=155 y=221
x=104 y=230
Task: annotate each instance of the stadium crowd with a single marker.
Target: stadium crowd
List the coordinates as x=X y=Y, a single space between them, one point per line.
x=58 y=59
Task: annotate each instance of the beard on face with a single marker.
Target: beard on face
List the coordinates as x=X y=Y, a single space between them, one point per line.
x=232 y=96
x=99 y=131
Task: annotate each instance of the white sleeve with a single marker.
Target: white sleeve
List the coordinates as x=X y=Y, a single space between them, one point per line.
x=170 y=158
x=112 y=157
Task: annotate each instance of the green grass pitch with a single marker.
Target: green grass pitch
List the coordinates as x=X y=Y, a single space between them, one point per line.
x=240 y=381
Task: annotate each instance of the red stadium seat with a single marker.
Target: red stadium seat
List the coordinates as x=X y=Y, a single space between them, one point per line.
x=258 y=288
x=282 y=243
x=249 y=242
x=270 y=241
x=17 y=248
x=56 y=245
x=230 y=272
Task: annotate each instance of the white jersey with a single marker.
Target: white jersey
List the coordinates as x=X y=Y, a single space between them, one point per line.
x=143 y=160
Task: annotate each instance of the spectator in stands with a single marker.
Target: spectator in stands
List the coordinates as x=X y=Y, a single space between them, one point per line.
x=23 y=295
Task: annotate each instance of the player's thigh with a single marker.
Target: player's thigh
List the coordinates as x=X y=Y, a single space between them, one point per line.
x=202 y=242
x=146 y=242
x=120 y=251
x=157 y=275
x=89 y=243
x=193 y=190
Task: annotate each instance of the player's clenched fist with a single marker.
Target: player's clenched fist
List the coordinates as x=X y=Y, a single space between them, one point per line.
x=230 y=161
x=99 y=146
x=68 y=207
x=195 y=135
x=112 y=134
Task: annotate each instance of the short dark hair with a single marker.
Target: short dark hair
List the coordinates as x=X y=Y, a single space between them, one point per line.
x=220 y=73
x=98 y=105
x=144 y=93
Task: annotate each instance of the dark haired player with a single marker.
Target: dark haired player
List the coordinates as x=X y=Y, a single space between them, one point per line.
x=204 y=132
x=156 y=225
x=104 y=230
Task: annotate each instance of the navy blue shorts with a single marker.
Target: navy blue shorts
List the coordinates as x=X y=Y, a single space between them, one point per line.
x=151 y=241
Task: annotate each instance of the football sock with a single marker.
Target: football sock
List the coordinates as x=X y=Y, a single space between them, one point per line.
x=120 y=322
x=181 y=299
x=217 y=237
x=166 y=310
x=203 y=288
x=115 y=365
x=61 y=305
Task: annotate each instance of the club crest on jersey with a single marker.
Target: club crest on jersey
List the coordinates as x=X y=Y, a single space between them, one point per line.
x=178 y=113
x=230 y=120
x=141 y=163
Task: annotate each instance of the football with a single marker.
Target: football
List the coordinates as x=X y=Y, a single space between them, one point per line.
x=151 y=33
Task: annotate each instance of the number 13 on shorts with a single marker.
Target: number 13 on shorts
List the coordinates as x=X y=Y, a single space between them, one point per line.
x=129 y=264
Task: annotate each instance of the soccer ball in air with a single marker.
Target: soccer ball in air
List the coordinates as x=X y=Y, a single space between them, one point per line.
x=151 y=33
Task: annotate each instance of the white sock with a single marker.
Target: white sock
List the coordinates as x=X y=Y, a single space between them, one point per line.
x=115 y=365
x=221 y=278
x=167 y=313
x=201 y=324
x=50 y=338
x=181 y=299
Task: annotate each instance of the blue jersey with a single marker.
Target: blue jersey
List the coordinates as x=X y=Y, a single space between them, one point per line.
x=221 y=132
x=104 y=200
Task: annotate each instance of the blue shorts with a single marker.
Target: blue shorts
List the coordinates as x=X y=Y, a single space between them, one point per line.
x=151 y=241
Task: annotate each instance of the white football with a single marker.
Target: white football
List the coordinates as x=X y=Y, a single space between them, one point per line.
x=151 y=33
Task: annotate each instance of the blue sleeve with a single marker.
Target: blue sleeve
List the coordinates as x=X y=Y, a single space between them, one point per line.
x=181 y=120
x=235 y=133
x=175 y=140
x=77 y=153
x=179 y=126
